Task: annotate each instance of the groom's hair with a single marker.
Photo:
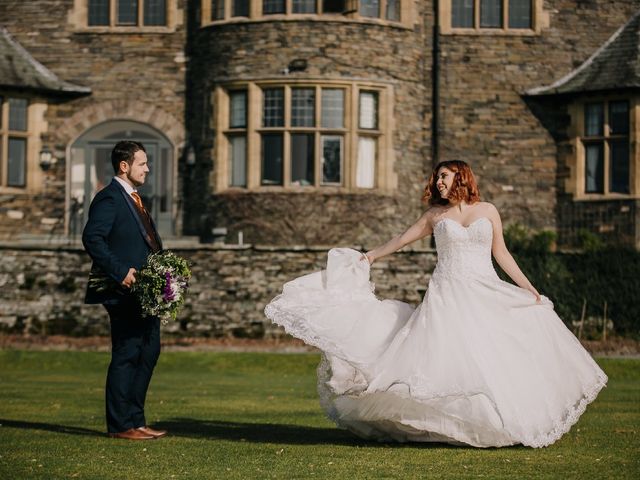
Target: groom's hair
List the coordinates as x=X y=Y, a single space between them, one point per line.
x=124 y=151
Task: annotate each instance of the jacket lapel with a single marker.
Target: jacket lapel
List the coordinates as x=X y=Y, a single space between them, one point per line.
x=132 y=208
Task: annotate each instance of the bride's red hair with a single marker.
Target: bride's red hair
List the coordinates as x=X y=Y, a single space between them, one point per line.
x=464 y=187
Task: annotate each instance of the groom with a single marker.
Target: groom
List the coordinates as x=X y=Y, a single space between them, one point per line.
x=119 y=236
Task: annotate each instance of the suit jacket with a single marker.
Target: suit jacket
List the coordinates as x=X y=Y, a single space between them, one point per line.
x=116 y=240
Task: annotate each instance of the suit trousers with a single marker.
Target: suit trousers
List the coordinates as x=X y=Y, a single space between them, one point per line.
x=135 y=348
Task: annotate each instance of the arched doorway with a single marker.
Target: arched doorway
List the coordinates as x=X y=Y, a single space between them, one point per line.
x=91 y=170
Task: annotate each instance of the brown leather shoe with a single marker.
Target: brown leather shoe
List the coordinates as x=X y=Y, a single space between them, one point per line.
x=152 y=432
x=132 y=434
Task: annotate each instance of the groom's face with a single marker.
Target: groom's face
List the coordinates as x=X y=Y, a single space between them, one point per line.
x=137 y=171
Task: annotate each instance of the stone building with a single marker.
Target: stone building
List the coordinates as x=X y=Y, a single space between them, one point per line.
x=299 y=123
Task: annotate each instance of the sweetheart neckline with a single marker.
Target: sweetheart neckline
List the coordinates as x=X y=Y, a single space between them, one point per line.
x=458 y=223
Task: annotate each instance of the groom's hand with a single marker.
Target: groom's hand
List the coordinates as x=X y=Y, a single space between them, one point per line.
x=130 y=279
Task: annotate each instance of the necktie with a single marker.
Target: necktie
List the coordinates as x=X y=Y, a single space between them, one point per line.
x=146 y=221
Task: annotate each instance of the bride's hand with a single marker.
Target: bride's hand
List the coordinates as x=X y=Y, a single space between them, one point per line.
x=367 y=257
x=535 y=293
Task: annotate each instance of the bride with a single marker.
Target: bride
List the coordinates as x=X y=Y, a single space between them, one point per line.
x=480 y=362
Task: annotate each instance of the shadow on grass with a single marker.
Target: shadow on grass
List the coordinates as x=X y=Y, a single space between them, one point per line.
x=49 y=427
x=271 y=433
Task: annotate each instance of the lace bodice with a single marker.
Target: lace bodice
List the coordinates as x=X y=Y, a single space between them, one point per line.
x=464 y=251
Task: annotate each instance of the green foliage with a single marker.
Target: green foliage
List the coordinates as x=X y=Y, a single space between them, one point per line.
x=597 y=275
x=256 y=416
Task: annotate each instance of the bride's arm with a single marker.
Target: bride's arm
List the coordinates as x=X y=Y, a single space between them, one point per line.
x=418 y=230
x=503 y=256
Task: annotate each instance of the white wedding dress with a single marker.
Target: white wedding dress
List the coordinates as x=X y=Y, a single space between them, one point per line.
x=479 y=362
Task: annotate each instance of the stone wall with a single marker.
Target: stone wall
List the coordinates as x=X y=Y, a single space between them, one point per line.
x=42 y=288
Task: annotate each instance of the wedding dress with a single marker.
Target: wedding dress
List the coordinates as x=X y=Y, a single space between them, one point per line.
x=479 y=362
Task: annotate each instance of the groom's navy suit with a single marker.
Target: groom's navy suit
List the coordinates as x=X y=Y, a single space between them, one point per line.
x=116 y=239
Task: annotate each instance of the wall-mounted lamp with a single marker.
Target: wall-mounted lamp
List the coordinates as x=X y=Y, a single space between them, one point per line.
x=47 y=160
x=297 y=65
x=189 y=155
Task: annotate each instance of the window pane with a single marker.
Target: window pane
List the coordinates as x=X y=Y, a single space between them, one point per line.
x=462 y=13
x=217 y=9
x=18 y=114
x=272 y=159
x=619 y=118
x=273 y=107
x=333 y=6
x=273 y=6
x=393 y=10
x=240 y=8
x=365 y=170
x=331 y=159
x=332 y=108
x=1 y=102
x=16 y=171
x=520 y=14
x=127 y=12
x=593 y=119
x=370 y=8
x=490 y=13
x=302 y=164
x=619 y=167
x=303 y=111
x=594 y=168
x=238 y=161
x=368 y=110
x=98 y=12
x=304 y=6
x=238 y=109
x=155 y=12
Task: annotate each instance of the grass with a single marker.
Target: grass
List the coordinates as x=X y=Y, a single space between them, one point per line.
x=251 y=415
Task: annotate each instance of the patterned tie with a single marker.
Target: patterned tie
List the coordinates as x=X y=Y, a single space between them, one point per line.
x=146 y=221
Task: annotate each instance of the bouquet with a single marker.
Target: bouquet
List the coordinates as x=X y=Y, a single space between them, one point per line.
x=160 y=287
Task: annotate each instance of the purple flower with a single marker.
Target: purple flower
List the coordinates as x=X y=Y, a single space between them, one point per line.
x=168 y=294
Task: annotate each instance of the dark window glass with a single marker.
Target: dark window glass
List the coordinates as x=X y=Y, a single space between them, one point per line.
x=272 y=159
x=462 y=13
x=302 y=162
x=490 y=13
x=331 y=159
x=619 y=167
x=594 y=168
x=127 y=12
x=594 y=119
x=619 y=118
x=217 y=9
x=303 y=103
x=18 y=114
x=520 y=14
x=240 y=8
x=304 y=6
x=98 y=12
x=370 y=8
x=238 y=109
x=273 y=107
x=393 y=10
x=238 y=160
x=155 y=12
x=16 y=171
x=273 y=6
x=333 y=6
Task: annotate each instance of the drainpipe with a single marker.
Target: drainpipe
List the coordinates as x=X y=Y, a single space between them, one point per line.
x=435 y=86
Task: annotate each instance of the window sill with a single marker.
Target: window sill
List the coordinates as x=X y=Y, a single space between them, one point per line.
x=309 y=18
x=14 y=190
x=491 y=32
x=325 y=189
x=599 y=197
x=125 y=30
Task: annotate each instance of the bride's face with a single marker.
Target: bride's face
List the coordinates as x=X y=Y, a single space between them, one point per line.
x=444 y=181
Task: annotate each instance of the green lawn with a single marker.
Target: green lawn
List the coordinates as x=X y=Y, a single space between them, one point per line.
x=249 y=415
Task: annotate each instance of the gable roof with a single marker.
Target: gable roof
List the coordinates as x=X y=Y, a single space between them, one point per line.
x=614 y=66
x=19 y=70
